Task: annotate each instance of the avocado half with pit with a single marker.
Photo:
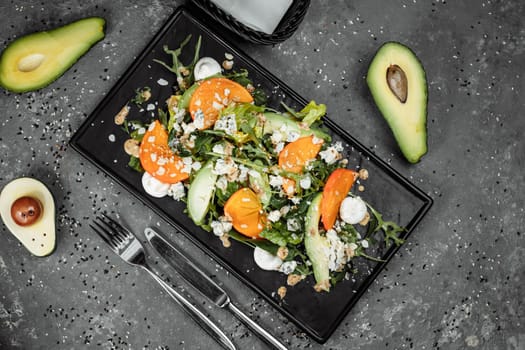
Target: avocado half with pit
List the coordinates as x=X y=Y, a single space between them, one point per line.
x=36 y=60
x=398 y=84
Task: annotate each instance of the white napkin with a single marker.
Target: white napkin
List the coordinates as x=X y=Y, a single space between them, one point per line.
x=261 y=15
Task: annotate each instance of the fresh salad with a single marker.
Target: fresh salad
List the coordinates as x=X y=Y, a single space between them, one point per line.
x=271 y=179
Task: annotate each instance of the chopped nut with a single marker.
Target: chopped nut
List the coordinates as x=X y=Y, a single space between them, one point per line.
x=184 y=71
x=282 y=253
x=360 y=188
x=293 y=279
x=322 y=286
x=350 y=253
x=131 y=147
x=365 y=220
x=282 y=292
x=121 y=116
x=227 y=64
x=225 y=239
x=363 y=174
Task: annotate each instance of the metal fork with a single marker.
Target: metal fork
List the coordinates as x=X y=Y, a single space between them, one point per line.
x=126 y=245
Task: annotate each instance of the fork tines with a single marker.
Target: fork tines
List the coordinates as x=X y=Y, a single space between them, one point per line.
x=114 y=234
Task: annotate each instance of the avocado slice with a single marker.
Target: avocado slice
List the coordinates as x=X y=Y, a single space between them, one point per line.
x=201 y=192
x=275 y=121
x=398 y=85
x=36 y=60
x=316 y=245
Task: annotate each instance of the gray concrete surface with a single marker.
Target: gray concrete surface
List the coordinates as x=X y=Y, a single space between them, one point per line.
x=456 y=284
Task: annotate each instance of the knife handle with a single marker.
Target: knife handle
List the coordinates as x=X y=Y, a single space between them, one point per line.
x=198 y=316
x=270 y=339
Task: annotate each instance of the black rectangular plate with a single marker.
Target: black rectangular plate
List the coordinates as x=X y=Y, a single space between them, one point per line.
x=318 y=314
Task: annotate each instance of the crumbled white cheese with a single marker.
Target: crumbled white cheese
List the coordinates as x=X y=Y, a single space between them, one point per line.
x=316 y=140
x=276 y=137
x=177 y=191
x=293 y=224
x=364 y=243
x=196 y=166
x=198 y=119
x=223 y=167
x=227 y=123
x=276 y=180
x=274 y=215
x=243 y=174
x=336 y=251
x=221 y=226
x=279 y=147
x=188 y=128
x=179 y=114
x=292 y=136
x=305 y=182
x=222 y=183
x=150 y=107
x=295 y=200
x=162 y=82
x=187 y=161
x=288 y=267
x=218 y=148
x=330 y=155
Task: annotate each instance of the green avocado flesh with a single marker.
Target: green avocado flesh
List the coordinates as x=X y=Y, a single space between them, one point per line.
x=317 y=245
x=405 y=111
x=36 y=60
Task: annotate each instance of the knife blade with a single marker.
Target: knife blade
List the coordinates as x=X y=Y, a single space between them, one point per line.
x=203 y=283
x=187 y=269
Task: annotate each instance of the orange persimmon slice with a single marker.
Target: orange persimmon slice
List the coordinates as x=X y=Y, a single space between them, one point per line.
x=295 y=156
x=214 y=94
x=245 y=211
x=335 y=190
x=157 y=158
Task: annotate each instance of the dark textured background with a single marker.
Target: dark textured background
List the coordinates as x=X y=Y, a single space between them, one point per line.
x=456 y=284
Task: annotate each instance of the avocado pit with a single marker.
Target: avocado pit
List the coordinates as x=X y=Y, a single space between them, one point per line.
x=30 y=62
x=397 y=82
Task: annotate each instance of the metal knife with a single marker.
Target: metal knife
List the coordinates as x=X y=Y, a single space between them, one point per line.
x=204 y=284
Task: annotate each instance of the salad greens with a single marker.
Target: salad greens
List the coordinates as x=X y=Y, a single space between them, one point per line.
x=254 y=174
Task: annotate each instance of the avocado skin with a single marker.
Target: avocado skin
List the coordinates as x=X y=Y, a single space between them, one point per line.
x=69 y=43
x=408 y=121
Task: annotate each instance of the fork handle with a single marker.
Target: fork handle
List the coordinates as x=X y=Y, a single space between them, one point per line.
x=198 y=316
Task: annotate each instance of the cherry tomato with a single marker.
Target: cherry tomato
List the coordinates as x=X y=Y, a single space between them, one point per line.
x=25 y=211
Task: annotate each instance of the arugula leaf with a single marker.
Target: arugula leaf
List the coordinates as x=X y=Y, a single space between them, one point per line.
x=134 y=163
x=312 y=112
x=390 y=229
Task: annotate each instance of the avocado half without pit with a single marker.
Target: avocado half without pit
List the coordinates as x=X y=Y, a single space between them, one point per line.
x=36 y=60
x=398 y=85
